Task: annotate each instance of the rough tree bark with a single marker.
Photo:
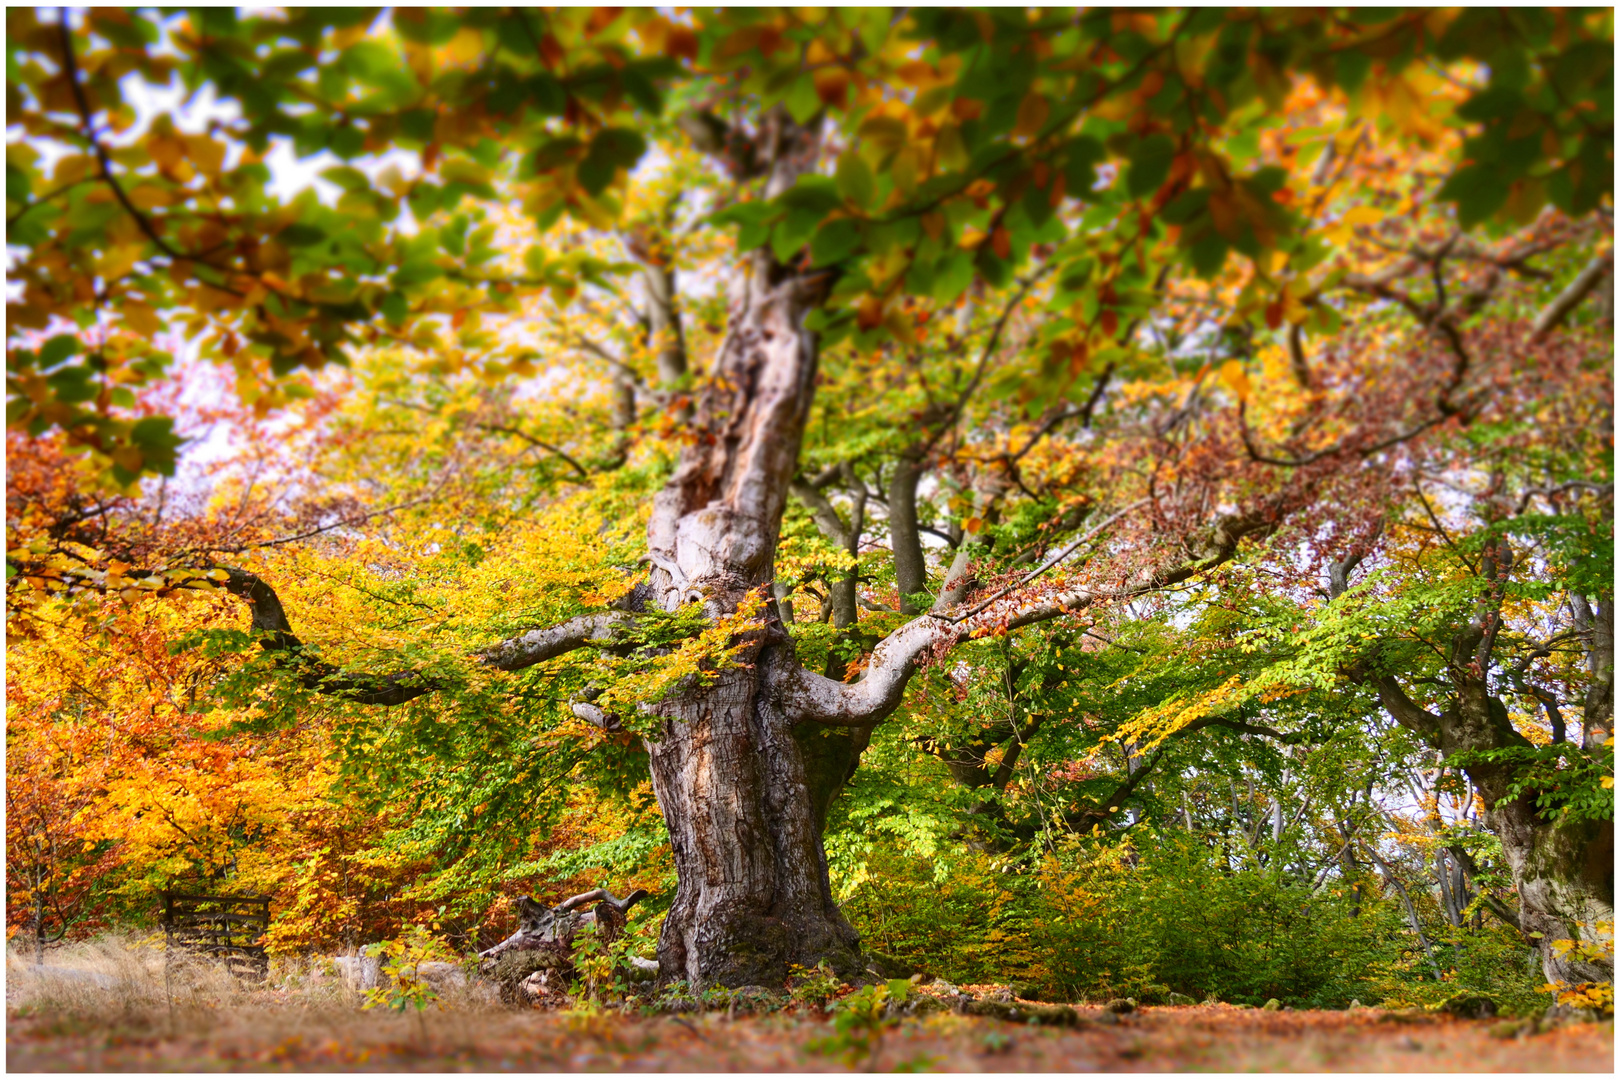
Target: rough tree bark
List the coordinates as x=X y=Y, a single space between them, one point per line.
x=730 y=772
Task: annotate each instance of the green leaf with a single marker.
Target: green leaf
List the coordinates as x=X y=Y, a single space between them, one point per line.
x=834 y=241
x=298 y=234
x=613 y=149
x=1477 y=192
x=802 y=101
x=793 y=232
x=155 y=438
x=855 y=181
x=73 y=385
x=952 y=276
x=813 y=192
x=394 y=308
x=556 y=152
x=56 y=350
x=1184 y=207
x=1208 y=254
x=1149 y=165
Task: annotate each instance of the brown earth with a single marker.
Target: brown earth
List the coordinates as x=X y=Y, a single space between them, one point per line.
x=260 y=1036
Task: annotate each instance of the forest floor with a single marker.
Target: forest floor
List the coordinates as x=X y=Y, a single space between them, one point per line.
x=130 y=1020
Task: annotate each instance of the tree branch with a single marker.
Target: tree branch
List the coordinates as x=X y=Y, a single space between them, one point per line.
x=532 y=441
x=541 y=644
x=1408 y=713
x=811 y=698
x=1553 y=315
x=524 y=650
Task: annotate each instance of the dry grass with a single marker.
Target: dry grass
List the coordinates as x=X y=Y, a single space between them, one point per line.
x=111 y=1006
x=124 y=988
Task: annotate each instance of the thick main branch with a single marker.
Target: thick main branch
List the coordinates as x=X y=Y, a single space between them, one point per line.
x=525 y=650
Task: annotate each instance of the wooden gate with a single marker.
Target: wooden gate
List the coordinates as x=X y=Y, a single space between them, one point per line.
x=227 y=928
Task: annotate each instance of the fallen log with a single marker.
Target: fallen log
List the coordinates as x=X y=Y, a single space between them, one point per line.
x=537 y=960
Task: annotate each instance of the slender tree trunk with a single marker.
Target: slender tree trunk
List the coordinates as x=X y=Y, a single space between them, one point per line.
x=1411 y=910
x=910 y=569
x=39 y=930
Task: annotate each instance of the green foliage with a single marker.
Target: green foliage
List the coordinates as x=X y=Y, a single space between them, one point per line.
x=403 y=987
x=860 y=1019
x=1490 y=961
x=813 y=987
x=1565 y=780
x=1164 y=913
x=603 y=972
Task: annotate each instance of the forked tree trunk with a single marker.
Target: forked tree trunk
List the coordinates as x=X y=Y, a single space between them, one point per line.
x=744 y=790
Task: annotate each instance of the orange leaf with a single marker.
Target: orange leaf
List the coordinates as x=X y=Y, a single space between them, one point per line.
x=1001 y=243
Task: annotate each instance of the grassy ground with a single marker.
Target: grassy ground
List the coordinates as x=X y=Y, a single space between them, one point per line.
x=118 y=1011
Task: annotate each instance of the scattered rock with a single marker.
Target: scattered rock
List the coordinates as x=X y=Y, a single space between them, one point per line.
x=1026 y=991
x=1107 y=1018
x=1054 y=1016
x=889 y=967
x=1182 y=999
x=1568 y=1014
x=543 y=987
x=441 y=974
x=1513 y=1029
x=1404 y=1016
x=1121 y=1005
x=755 y=999
x=1000 y=1010
x=1041 y=1015
x=1467 y=1006
x=522 y=974
x=1272 y=1006
x=360 y=972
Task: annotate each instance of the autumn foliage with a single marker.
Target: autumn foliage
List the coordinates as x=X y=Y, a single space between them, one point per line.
x=1206 y=429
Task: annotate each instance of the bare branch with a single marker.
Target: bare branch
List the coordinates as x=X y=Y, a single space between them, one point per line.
x=541 y=644
x=810 y=698
x=1064 y=554
x=1408 y=713
x=532 y=441
x=1567 y=301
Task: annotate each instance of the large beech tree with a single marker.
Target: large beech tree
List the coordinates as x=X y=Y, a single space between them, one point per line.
x=1075 y=173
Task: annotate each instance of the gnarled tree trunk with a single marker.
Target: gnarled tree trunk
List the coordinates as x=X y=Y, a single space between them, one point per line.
x=743 y=801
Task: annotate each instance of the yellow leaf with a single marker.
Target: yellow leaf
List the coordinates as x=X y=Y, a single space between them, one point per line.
x=205 y=153
x=1236 y=379
x=142 y=319
x=466 y=47
x=1361 y=215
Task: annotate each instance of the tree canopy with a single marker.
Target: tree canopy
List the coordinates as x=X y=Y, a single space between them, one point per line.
x=1202 y=431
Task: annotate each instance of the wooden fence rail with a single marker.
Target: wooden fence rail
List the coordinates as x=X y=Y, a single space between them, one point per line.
x=227 y=928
